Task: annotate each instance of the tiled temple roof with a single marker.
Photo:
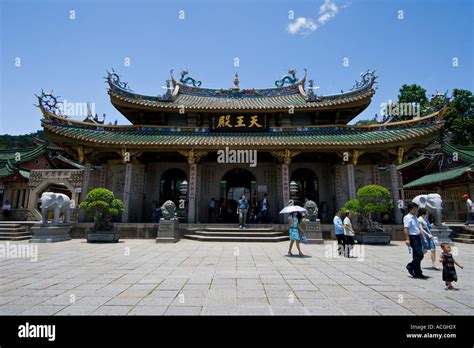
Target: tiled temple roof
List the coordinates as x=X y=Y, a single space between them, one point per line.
x=279 y=98
x=464 y=153
x=449 y=175
x=154 y=136
x=9 y=170
x=25 y=154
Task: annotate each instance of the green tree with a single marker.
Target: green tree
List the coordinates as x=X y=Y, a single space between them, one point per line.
x=19 y=141
x=102 y=206
x=459 y=119
x=370 y=199
x=408 y=94
x=413 y=94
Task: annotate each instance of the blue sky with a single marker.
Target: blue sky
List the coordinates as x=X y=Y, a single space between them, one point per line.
x=70 y=56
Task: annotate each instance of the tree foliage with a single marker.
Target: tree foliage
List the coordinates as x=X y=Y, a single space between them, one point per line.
x=19 y=141
x=460 y=117
x=413 y=94
x=370 y=199
x=102 y=205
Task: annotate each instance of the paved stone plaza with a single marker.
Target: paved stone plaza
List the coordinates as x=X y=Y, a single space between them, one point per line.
x=140 y=277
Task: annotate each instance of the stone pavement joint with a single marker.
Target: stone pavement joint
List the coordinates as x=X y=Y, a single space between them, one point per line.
x=194 y=278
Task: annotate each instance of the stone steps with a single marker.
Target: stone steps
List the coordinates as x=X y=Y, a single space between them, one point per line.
x=241 y=233
x=224 y=238
x=236 y=229
x=234 y=234
x=13 y=232
x=465 y=236
x=462 y=233
x=464 y=240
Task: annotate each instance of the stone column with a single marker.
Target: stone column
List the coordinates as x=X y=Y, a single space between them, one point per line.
x=285 y=180
x=84 y=190
x=126 y=191
x=375 y=174
x=27 y=198
x=21 y=199
x=103 y=176
x=351 y=181
x=394 y=183
x=192 y=190
x=338 y=186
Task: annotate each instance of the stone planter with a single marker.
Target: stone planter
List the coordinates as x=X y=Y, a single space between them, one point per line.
x=373 y=237
x=50 y=233
x=102 y=236
x=168 y=231
x=312 y=230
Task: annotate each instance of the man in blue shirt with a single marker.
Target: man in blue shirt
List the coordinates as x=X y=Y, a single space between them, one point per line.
x=412 y=234
x=242 y=207
x=339 y=230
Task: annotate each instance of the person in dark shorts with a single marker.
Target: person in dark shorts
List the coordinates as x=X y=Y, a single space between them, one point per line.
x=449 y=271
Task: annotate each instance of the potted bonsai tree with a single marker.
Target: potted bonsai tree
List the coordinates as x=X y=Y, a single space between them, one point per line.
x=371 y=199
x=102 y=206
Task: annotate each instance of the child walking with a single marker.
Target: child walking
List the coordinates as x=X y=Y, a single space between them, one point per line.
x=449 y=271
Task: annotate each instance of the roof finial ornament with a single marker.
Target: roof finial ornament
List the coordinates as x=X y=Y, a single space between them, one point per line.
x=188 y=80
x=287 y=79
x=367 y=80
x=236 y=82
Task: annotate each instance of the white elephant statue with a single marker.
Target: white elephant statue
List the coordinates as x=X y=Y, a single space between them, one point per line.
x=59 y=203
x=432 y=203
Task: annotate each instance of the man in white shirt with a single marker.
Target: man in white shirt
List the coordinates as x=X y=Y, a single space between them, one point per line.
x=348 y=234
x=412 y=233
x=470 y=209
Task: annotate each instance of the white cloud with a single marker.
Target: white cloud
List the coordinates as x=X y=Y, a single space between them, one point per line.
x=303 y=26
x=328 y=6
x=327 y=11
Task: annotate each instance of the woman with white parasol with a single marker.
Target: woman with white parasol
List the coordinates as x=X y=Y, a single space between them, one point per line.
x=295 y=229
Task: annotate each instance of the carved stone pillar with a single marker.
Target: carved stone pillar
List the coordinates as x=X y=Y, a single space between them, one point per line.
x=285 y=180
x=394 y=183
x=338 y=186
x=192 y=190
x=84 y=189
x=193 y=157
x=103 y=175
x=284 y=158
x=351 y=181
x=375 y=174
x=126 y=191
x=21 y=198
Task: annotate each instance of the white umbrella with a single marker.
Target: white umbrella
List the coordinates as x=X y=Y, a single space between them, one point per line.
x=292 y=208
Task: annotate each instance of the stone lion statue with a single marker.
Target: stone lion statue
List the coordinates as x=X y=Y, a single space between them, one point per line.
x=168 y=211
x=311 y=210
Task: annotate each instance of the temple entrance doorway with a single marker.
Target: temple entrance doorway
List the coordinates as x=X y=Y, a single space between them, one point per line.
x=233 y=184
x=307 y=186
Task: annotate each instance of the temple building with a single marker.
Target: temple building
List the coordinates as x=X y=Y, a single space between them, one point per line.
x=193 y=144
x=442 y=168
x=22 y=168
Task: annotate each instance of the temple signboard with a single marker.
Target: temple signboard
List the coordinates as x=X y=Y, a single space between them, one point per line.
x=239 y=123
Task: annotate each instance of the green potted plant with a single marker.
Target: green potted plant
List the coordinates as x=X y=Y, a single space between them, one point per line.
x=103 y=207
x=371 y=199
